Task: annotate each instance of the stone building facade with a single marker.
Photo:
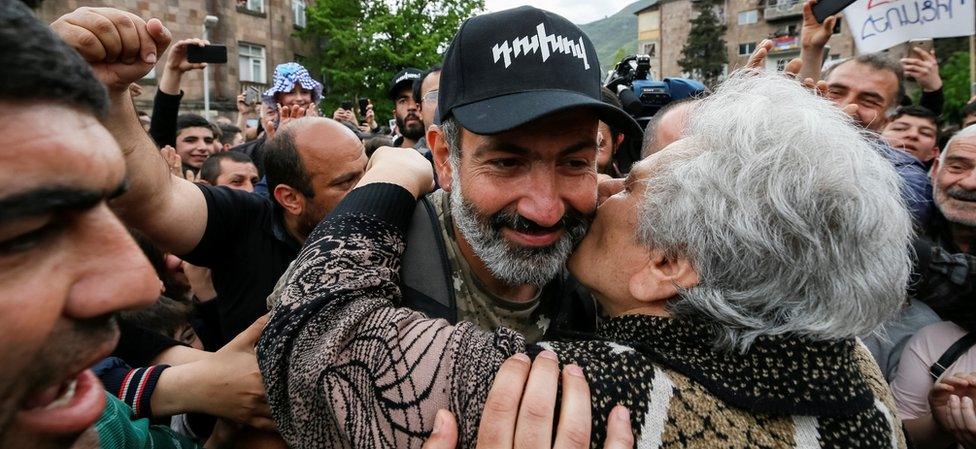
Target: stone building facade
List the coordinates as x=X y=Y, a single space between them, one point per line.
x=259 y=34
x=665 y=24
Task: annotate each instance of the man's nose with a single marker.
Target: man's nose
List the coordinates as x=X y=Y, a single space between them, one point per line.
x=113 y=273
x=541 y=201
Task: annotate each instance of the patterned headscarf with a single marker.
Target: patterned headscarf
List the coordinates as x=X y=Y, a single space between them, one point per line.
x=285 y=77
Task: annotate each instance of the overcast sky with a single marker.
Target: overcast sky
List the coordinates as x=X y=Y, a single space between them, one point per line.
x=577 y=11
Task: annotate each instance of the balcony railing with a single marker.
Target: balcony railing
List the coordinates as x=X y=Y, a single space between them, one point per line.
x=782 y=9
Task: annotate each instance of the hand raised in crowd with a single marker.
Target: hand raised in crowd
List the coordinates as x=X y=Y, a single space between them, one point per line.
x=121 y=47
x=242 y=106
x=408 y=169
x=173 y=160
x=813 y=34
x=176 y=59
x=951 y=401
x=793 y=69
x=344 y=115
x=519 y=410
x=225 y=384
x=924 y=68
x=369 y=122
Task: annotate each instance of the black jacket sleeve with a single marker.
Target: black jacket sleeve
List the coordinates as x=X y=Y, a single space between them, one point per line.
x=933 y=101
x=162 y=127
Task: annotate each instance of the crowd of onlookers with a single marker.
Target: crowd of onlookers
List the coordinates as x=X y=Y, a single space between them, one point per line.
x=791 y=262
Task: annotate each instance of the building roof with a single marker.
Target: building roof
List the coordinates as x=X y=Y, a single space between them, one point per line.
x=649 y=6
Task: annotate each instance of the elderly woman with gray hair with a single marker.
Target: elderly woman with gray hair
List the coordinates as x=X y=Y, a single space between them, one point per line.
x=735 y=269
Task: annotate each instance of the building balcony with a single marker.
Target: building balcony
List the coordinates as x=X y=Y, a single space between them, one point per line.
x=782 y=9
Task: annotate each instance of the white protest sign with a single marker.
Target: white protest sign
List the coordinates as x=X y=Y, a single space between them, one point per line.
x=881 y=24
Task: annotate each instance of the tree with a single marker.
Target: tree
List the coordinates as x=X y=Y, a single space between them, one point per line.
x=955 y=85
x=704 y=55
x=363 y=43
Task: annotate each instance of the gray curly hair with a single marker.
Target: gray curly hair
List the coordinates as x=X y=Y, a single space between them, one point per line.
x=792 y=219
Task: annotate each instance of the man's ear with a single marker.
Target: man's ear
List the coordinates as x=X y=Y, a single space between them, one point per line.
x=441 y=153
x=289 y=199
x=935 y=166
x=660 y=277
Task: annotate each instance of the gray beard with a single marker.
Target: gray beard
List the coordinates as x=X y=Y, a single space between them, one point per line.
x=511 y=264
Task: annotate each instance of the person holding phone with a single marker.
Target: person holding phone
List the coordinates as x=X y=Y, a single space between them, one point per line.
x=166 y=104
x=921 y=64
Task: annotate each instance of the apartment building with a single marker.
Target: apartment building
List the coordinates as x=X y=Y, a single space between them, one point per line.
x=664 y=25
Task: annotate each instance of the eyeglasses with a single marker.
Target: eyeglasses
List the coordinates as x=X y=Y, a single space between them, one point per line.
x=430 y=96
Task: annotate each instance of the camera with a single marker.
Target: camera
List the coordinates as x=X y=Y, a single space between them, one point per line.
x=641 y=95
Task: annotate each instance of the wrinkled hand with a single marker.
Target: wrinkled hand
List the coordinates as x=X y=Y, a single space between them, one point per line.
x=230 y=384
x=173 y=161
x=404 y=167
x=924 y=68
x=951 y=402
x=815 y=35
x=120 y=47
x=176 y=59
x=519 y=411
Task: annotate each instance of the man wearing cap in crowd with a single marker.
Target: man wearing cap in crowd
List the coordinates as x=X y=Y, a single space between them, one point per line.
x=291 y=86
x=515 y=154
x=409 y=124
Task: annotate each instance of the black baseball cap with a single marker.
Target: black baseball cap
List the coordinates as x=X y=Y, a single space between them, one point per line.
x=402 y=79
x=509 y=68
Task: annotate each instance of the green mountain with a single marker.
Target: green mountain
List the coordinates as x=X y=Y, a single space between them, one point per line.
x=619 y=31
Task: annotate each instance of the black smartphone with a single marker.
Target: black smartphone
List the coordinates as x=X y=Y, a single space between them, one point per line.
x=216 y=54
x=347 y=105
x=826 y=8
x=363 y=104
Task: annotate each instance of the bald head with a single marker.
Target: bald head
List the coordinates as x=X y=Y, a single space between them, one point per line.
x=666 y=127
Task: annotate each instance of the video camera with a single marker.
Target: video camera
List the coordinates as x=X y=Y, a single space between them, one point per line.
x=643 y=96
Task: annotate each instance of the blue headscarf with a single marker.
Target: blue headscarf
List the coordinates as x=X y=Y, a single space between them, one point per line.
x=285 y=77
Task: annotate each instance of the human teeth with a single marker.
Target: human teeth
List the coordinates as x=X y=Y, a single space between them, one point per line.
x=69 y=392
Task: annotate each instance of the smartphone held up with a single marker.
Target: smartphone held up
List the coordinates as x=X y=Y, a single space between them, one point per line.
x=215 y=54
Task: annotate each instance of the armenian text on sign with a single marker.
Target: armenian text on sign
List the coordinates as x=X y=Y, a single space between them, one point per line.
x=880 y=24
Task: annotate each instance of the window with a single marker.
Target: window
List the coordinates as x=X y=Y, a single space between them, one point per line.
x=298 y=12
x=650 y=49
x=254 y=5
x=837 y=25
x=747 y=48
x=250 y=59
x=749 y=17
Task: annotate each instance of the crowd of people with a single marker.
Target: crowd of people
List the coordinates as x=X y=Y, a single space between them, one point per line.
x=790 y=263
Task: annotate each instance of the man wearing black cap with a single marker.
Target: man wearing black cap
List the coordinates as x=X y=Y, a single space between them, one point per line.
x=408 y=121
x=515 y=153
